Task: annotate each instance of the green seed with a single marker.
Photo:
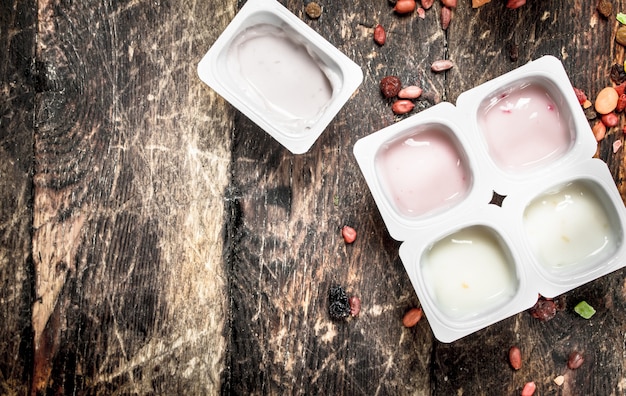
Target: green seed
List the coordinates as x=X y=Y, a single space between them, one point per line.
x=585 y=310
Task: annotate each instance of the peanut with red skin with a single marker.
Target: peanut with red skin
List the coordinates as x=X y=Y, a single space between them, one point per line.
x=599 y=130
x=421 y=13
x=515 y=358
x=410 y=92
x=426 y=4
x=513 y=4
x=348 y=233
x=355 y=306
x=449 y=3
x=529 y=389
x=610 y=119
x=404 y=6
x=441 y=65
x=412 y=317
x=446 y=17
x=402 y=106
x=575 y=360
x=380 y=37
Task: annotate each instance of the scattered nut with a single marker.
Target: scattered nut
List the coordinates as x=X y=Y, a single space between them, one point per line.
x=404 y=6
x=313 y=10
x=412 y=317
x=610 y=119
x=580 y=95
x=606 y=101
x=390 y=86
x=446 y=17
x=543 y=309
x=529 y=389
x=410 y=92
x=559 y=380
x=479 y=3
x=402 y=106
x=380 y=37
x=515 y=358
x=513 y=4
x=575 y=360
x=599 y=130
x=426 y=4
x=348 y=233
x=421 y=13
x=449 y=3
x=441 y=65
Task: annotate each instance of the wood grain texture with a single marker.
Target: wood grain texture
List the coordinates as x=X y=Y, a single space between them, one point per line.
x=153 y=240
x=131 y=162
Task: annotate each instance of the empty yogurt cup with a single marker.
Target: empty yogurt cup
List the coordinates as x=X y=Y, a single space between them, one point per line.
x=474 y=261
x=280 y=73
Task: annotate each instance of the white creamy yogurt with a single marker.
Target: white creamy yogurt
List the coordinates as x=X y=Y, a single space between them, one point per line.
x=469 y=272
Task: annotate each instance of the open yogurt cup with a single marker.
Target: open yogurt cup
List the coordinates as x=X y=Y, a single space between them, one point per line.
x=280 y=73
x=473 y=261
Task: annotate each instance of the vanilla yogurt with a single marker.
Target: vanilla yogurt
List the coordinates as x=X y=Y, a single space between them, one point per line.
x=469 y=272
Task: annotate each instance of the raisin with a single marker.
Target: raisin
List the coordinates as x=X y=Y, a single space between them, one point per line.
x=617 y=74
x=543 y=309
x=605 y=7
x=339 y=306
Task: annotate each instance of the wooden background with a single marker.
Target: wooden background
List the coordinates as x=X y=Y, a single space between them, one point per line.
x=153 y=240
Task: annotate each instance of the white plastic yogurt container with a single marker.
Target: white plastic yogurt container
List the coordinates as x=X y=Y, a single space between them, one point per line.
x=280 y=73
x=523 y=136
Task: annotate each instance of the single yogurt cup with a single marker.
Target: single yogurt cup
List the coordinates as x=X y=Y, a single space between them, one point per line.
x=472 y=262
x=280 y=73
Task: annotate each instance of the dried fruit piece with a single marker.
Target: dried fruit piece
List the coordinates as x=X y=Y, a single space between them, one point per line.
x=446 y=17
x=426 y=4
x=313 y=10
x=529 y=389
x=585 y=310
x=621 y=103
x=402 y=106
x=513 y=4
x=599 y=130
x=621 y=18
x=390 y=86
x=338 y=307
x=617 y=73
x=410 y=92
x=605 y=8
x=404 y=6
x=412 y=317
x=610 y=120
x=575 y=360
x=479 y=3
x=355 y=306
x=543 y=309
x=515 y=358
x=559 y=380
x=380 y=37
x=606 y=101
x=441 y=65
x=617 y=144
x=348 y=233
x=620 y=88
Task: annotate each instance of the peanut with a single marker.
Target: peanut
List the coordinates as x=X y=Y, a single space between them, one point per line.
x=411 y=317
x=380 y=37
x=575 y=360
x=421 y=13
x=599 y=130
x=348 y=233
x=449 y=3
x=402 y=106
x=529 y=389
x=513 y=4
x=426 y=4
x=441 y=65
x=606 y=101
x=410 y=92
x=404 y=6
x=446 y=17
x=610 y=120
x=515 y=358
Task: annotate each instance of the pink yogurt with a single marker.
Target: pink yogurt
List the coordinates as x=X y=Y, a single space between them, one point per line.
x=423 y=172
x=524 y=128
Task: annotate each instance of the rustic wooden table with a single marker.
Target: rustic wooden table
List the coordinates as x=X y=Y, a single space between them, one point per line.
x=153 y=240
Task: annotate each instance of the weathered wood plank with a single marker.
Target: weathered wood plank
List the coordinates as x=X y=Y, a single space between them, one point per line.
x=17 y=39
x=132 y=158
